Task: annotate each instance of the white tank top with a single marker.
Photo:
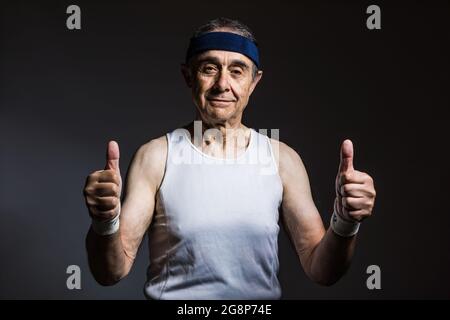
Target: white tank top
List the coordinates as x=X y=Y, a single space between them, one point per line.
x=215 y=229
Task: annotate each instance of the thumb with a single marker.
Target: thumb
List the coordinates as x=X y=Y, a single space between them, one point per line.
x=346 y=163
x=112 y=156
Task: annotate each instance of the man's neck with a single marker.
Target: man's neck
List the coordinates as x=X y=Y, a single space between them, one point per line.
x=220 y=140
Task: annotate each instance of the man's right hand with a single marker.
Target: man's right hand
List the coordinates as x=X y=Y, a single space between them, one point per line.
x=103 y=188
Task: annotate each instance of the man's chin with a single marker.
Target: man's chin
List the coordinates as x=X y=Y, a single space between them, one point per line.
x=220 y=115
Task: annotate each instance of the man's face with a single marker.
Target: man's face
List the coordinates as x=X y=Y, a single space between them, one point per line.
x=221 y=82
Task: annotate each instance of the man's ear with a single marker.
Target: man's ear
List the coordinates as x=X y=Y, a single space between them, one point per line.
x=255 y=81
x=187 y=75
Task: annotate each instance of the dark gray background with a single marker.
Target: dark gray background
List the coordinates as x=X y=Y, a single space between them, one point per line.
x=64 y=94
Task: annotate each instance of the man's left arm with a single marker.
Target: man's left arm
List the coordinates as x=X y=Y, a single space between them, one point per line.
x=324 y=255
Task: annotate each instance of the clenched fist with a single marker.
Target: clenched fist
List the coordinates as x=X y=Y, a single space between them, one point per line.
x=355 y=191
x=103 y=188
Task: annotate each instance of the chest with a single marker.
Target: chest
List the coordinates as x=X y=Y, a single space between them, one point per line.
x=223 y=198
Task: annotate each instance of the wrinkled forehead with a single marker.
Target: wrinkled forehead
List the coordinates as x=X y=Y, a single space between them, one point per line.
x=222 y=57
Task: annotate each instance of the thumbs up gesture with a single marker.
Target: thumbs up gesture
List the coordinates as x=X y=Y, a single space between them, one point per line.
x=355 y=191
x=103 y=188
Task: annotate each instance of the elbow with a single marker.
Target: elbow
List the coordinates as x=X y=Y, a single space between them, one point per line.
x=325 y=280
x=326 y=275
x=106 y=280
x=107 y=277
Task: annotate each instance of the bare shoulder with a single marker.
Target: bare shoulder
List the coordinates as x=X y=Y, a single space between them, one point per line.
x=149 y=161
x=290 y=166
x=154 y=149
x=286 y=157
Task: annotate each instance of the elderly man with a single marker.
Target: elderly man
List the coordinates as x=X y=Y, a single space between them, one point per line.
x=209 y=202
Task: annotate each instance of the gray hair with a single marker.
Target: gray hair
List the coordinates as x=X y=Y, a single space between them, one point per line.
x=234 y=25
x=222 y=22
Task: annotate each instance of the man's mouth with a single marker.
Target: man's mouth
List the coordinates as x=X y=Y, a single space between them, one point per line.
x=220 y=103
x=220 y=100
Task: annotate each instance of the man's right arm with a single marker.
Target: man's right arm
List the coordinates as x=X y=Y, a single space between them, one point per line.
x=111 y=256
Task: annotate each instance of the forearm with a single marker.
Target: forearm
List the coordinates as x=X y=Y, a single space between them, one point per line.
x=325 y=255
x=355 y=198
x=331 y=257
x=107 y=259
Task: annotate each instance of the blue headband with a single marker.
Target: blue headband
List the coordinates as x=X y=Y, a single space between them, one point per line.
x=223 y=41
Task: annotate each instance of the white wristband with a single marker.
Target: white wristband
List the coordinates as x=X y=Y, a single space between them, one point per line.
x=342 y=227
x=105 y=228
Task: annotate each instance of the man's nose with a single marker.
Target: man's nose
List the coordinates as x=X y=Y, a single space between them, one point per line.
x=222 y=82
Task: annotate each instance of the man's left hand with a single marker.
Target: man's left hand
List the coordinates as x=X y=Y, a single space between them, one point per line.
x=355 y=191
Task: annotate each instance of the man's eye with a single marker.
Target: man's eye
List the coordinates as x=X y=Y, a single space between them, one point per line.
x=209 y=69
x=236 y=71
